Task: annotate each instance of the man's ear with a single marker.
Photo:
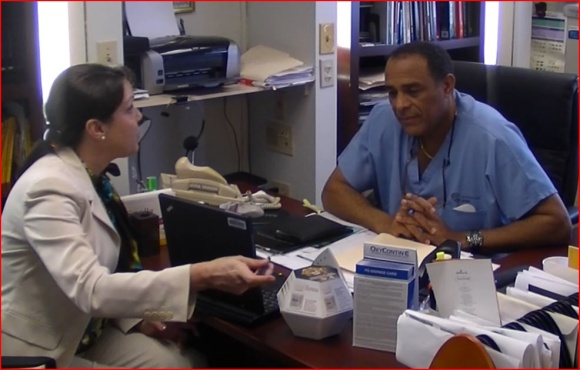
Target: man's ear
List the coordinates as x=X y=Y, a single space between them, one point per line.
x=95 y=129
x=449 y=84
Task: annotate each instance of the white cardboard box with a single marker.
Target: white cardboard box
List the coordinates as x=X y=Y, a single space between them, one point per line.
x=315 y=302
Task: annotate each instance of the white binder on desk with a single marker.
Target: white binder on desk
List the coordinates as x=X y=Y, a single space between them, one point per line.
x=435 y=331
x=511 y=309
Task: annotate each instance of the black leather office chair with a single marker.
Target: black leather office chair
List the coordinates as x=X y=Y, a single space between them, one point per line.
x=544 y=105
x=27 y=362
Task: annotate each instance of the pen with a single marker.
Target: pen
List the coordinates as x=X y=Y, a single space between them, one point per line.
x=304 y=258
x=263 y=270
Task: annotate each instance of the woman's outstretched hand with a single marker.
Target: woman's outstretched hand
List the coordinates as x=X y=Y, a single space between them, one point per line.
x=234 y=274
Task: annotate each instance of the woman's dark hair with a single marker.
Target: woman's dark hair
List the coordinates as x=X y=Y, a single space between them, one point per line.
x=80 y=93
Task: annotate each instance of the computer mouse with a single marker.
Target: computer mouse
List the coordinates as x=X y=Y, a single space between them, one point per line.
x=249 y=209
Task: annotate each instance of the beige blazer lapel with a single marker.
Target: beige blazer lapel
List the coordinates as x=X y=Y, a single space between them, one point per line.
x=82 y=178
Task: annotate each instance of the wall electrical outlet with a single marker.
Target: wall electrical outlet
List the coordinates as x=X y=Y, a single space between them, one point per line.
x=107 y=53
x=279 y=138
x=326 y=73
x=283 y=187
x=326 y=32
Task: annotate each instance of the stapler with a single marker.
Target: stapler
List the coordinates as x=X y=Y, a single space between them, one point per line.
x=450 y=247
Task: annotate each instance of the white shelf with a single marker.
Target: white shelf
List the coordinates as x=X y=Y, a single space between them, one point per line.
x=209 y=93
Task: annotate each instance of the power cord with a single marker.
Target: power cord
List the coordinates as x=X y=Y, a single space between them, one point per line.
x=234 y=133
x=191 y=143
x=248 y=134
x=145 y=122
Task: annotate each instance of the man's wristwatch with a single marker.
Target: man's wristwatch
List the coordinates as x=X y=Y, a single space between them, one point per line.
x=474 y=241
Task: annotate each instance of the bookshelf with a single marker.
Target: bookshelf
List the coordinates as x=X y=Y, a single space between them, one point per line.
x=375 y=32
x=21 y=69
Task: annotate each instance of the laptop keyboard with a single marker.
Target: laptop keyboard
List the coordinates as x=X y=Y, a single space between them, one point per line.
x=269 y=294
x=245 y=316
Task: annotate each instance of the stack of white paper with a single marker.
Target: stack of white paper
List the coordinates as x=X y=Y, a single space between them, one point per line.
x=151 y=19
x=267 y=67
x=139 y=94
x=371 y=80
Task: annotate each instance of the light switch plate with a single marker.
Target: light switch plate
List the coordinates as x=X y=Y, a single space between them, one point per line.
x=326 y=32
x=107 y=53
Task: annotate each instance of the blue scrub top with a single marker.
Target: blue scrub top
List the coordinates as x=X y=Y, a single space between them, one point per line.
x=491 y=176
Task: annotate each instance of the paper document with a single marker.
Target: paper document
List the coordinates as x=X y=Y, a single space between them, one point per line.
x=535 y=279
x=370 y=80
x=270 y=66
x=468 y=256
x=151 y=19
x=292 y=76
x=348 y=258
x=548 y=47
x=290 y=262
x=466 y=285
x=140 y=94
x=332 y=217
x=148 y=201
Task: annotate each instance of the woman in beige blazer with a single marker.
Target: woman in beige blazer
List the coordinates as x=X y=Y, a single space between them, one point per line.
x=67 y=256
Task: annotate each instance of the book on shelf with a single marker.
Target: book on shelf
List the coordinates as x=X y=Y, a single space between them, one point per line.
x=401 y=22
x=8 y=137
x=16 y=138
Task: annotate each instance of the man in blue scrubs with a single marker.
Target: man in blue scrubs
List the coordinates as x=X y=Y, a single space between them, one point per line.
x=443 y=166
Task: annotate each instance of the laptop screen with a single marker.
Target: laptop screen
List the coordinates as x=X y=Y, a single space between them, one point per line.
x=197 y=233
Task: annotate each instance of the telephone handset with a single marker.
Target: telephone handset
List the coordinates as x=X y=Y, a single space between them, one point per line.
x=204 y=184
x=201 y=184
x=184 y=169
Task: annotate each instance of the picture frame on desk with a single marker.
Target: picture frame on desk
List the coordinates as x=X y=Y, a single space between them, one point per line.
x=184 y=6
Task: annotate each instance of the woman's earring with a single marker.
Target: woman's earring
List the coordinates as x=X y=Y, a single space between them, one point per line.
x=103 y=137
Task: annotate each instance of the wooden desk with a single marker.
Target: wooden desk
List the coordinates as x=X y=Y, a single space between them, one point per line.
x=275 y=340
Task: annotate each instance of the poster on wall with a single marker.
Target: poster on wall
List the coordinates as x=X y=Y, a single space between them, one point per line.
x=183 y=6
x=548 y=49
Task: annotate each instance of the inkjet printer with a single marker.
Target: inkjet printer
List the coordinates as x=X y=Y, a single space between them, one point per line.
x=183 y=62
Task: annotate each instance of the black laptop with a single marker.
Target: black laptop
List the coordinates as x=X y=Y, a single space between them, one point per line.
x=197 y=233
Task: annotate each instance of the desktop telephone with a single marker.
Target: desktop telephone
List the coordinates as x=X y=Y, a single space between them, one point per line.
x=204 y=184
